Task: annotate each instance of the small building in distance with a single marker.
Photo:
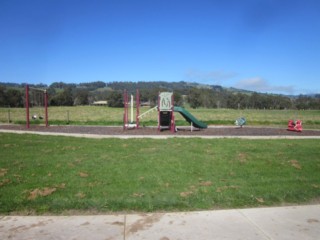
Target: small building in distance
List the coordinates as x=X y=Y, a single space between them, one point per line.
x=145 y=104
x=100 y=103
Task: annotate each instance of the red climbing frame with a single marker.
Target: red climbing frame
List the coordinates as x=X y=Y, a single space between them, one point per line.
x=137 y=108
x=125 y=104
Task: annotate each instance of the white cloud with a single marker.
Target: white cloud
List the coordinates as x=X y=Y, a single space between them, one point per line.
x=210 y=77
x=259 y=84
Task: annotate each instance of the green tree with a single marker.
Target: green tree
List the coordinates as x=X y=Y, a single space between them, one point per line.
x=194 y=98
x=2 y=96
x=81 y=97
x=178 y=100
x=63 y=98
x=115 y=99
x=14 y=98
x=207 y=98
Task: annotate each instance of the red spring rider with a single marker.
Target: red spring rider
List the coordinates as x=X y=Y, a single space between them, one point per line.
x=298 y=126
x=295 y=126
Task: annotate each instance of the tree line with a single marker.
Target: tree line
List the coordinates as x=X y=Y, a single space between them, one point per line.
x=196 y=95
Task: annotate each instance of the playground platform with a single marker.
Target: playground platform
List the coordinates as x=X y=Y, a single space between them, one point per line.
x=290 y=222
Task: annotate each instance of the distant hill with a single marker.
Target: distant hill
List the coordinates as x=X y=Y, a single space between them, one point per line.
x=196 y=94
x=181 y=86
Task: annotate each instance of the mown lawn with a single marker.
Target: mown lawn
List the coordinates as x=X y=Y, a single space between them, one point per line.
x=42 y=174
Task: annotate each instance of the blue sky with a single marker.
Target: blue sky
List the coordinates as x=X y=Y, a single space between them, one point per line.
x=262 y=45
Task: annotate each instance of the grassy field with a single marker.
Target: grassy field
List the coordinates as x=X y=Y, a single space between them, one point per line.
x=61 y=175
x=93 y=115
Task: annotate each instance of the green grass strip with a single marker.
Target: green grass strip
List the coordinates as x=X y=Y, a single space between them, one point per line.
x=47 y=174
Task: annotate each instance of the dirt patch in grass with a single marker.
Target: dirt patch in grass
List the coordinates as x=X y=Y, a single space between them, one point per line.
x=40 y=192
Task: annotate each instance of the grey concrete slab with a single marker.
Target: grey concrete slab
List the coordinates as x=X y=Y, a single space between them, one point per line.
x=302 y=222
x=296 y=222
x=223 y=224
x=98 y=136
x=62 y=227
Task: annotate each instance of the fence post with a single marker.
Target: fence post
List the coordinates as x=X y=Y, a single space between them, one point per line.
x=9 y=117
x=68 y=120
x=46 y=107
x=27 y=107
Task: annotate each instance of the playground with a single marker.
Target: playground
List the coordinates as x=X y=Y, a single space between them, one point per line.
x=165 y=119
x=165 y=113
x=138 y=115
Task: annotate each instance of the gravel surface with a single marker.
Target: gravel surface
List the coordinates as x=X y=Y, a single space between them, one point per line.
x=211 y=131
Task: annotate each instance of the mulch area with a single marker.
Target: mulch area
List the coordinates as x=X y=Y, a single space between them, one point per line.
x=211 y=131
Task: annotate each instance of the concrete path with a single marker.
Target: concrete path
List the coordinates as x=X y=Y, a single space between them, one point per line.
x=99 y=136
x=295 y=222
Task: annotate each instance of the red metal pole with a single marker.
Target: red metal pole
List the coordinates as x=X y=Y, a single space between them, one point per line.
x=27 y=107
x=127 y=109
x=159 y=127
x=124 y=109
x=137 y=108
x=46 y=107
x=125 y=117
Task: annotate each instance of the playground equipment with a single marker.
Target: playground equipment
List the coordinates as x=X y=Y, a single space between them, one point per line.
x=194 y=122
x=295 y=126
x=241 y=121
x=132 y=124
x=166 y=113
x=165 y=108
x=40 y=97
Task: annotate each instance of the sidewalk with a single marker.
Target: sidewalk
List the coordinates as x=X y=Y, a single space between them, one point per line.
x=294 y=222
x=99 y=136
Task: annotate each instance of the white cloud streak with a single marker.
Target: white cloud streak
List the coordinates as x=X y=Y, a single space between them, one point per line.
x=210 y=77
x=259 y=84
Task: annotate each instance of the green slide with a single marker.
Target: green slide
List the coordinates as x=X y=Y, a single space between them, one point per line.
x=190 y=118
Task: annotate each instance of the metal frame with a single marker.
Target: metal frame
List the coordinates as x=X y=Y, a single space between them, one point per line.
x=137 y=108
x=126 y=109
x=27 y=104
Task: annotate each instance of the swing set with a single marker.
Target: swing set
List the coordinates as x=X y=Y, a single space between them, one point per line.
x=36 y=97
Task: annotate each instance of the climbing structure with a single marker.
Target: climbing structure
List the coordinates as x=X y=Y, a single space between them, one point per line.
x=166 y=111
x=165 y=108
